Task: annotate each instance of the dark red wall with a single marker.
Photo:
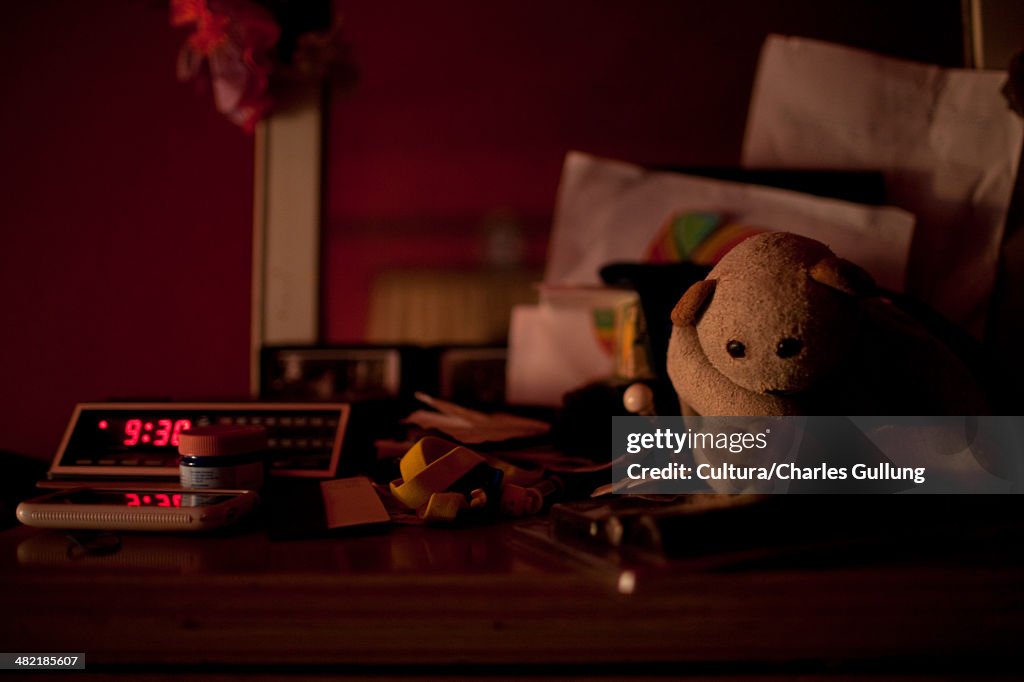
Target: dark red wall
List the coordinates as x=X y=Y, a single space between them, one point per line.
x=465 y=106
x=126 y=206
x=125 y=220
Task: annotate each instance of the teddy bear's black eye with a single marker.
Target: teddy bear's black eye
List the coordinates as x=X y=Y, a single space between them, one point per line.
x=736 y=349
x=787 y=348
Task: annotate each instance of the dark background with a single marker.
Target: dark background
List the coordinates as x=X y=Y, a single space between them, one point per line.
x=126 y=212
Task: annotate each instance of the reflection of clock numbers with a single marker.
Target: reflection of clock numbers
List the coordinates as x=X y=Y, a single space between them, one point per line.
x=155 y=500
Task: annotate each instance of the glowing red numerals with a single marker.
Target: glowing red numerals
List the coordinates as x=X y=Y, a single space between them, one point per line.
x=132 y=431
x=163 y=434
x=167 y=431
x=179 y=426
x=157 y=500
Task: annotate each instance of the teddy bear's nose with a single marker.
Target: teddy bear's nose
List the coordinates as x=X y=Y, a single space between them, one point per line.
x=787 y=348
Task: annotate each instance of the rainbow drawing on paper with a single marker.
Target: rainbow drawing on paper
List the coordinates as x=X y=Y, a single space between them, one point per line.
x=700 y=237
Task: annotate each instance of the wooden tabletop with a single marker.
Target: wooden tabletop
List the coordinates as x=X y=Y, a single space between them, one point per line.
x=410 y=597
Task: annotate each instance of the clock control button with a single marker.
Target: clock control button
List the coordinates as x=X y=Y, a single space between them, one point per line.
x=256 y=421
x=242 y=420
x=316 y=421
x=83 y=461
x=106 y=462
x=271 y=421
x=130 y=461
x=302 y=443
x=272 y=443
x=287 y=442
x=153 y=462
x=286 y=421
x=301 y=421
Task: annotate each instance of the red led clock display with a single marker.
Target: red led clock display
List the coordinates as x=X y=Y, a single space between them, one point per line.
x=158 y=432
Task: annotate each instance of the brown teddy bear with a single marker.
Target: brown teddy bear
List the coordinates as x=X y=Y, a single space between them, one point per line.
x=781 y=326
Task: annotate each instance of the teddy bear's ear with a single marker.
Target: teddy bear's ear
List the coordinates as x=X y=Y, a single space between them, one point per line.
x=693 y=302
x=843 y=275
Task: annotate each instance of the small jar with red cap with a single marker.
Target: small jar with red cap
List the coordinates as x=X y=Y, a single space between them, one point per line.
x=222 y=456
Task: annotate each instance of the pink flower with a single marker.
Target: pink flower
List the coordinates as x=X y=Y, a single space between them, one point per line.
x=231 y=48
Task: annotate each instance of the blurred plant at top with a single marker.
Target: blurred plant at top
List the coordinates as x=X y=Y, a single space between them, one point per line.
x=257 y=56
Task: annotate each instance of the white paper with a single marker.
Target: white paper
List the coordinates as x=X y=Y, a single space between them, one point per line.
x=471 y=426
x=611 y=211
x=553 y=350
x=945 y=139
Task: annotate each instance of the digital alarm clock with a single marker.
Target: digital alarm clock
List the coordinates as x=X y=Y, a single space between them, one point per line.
x=139 y=441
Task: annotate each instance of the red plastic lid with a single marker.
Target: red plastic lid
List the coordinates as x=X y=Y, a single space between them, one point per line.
x=222 y=439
